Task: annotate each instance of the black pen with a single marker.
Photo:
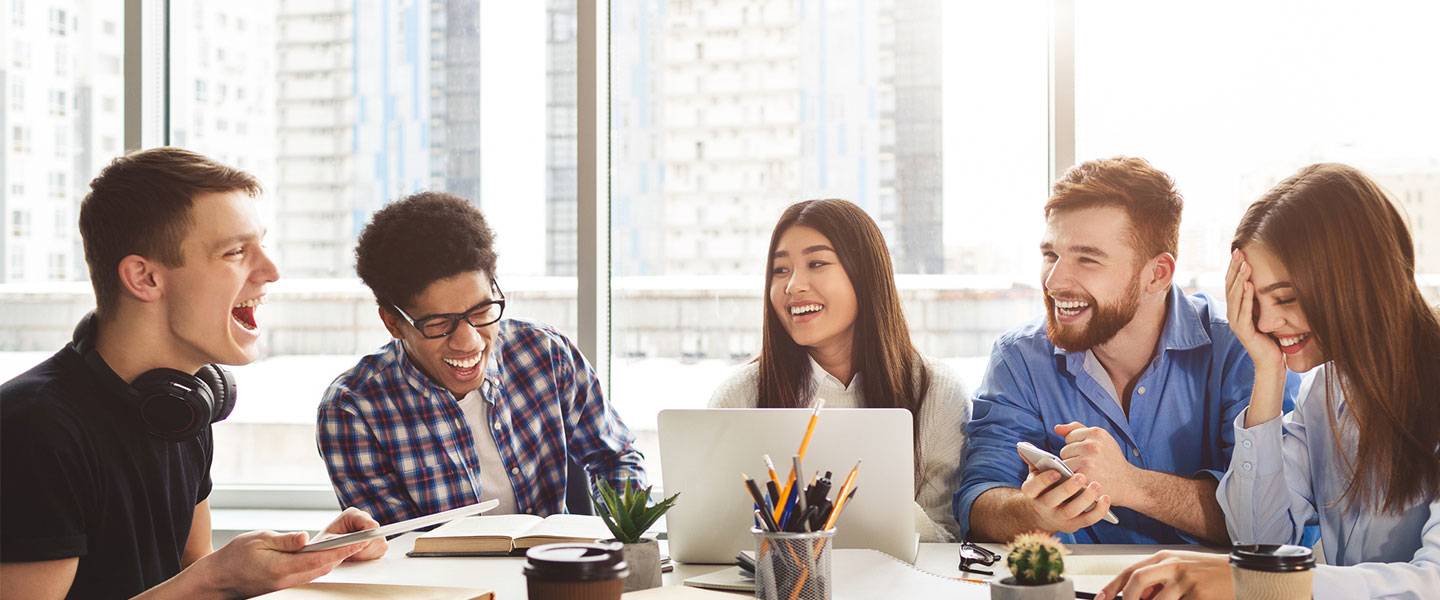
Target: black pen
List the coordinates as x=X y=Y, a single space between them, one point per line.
x=760 y=501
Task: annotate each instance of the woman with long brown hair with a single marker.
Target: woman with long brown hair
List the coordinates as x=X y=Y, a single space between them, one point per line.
x=834 y=329
x=1322 y=280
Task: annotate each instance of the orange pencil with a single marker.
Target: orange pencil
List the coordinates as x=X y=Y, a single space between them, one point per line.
x=770 y=466
x=842 y=497
x=804 y=443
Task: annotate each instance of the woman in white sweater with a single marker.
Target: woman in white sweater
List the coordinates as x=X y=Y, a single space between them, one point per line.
x=1322 y=281
x=834 y=329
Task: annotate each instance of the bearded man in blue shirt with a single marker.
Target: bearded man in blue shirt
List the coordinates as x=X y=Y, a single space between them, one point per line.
x=1131 y=382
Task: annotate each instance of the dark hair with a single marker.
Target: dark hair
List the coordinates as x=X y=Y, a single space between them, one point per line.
x=420 y=239
x=139 y=204
x=1147 y=195
x=894 y=373
x=1352 y=262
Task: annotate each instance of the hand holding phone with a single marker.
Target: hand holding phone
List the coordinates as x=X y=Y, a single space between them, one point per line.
x=1045 y=461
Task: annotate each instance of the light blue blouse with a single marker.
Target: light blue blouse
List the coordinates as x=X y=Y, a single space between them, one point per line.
x=1285 y=473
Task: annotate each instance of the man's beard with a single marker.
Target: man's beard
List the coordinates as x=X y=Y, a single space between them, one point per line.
x=1106 y=320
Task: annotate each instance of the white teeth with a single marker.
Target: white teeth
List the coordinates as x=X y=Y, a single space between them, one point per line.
x=253 y=302
x=1071 y=304
x=463 y=364
x=1291 y=341
x=805 y=309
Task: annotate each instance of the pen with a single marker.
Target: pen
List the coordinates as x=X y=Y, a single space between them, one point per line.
x=774 y=492
x=801 y=496
x=760 y=501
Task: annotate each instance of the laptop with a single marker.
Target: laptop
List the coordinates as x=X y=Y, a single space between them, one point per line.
x=704 y=451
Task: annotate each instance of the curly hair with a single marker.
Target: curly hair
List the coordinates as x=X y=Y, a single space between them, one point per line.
x=420 y=239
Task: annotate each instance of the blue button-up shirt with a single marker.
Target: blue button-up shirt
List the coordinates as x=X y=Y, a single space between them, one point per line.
x=1180 y=412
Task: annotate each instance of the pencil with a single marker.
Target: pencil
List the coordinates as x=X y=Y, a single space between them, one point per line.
x=842 y=497
x=770 y=466
x=804 y=443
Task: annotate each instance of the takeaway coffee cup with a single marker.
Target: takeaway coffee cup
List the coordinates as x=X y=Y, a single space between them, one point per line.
x=576 y=571
x=1272 y=572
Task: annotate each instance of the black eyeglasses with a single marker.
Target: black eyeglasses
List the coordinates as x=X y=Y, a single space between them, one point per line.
x=972 y=554
x=443 y=324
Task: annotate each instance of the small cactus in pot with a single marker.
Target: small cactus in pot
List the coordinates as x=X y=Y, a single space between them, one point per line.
x=1037 y=570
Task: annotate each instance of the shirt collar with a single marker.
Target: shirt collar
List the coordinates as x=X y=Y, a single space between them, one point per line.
x=1183 y=330
x=823 y=379
x=420 y=381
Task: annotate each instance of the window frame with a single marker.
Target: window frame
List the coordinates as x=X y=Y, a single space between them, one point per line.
x=147 y=93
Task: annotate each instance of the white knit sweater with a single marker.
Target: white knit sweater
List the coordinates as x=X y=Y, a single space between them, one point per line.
x=942 y=434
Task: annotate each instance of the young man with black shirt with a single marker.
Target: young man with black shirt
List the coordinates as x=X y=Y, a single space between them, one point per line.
x=106 y=446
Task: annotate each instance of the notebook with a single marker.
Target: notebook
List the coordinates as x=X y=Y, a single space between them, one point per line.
x=375 y=591
x=861 y=573
x=504 y=534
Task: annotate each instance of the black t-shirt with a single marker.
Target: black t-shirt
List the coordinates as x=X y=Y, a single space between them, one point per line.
x=82 y=477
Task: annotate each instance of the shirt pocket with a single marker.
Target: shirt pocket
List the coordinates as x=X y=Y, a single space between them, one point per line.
x=434 y=488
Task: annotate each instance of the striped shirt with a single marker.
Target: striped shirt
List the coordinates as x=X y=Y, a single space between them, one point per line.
x=397 y=444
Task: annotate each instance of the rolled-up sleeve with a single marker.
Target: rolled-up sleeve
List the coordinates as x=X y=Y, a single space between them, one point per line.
x=1004 y=413
x=598 y=439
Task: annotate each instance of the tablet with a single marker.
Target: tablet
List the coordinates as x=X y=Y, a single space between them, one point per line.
x=327 y=541
x=1046 y=461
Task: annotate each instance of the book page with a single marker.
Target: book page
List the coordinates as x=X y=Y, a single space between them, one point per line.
x=566 y=527
x=488 y=526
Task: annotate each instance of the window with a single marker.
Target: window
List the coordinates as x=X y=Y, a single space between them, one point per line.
x=20 y=139
x=19 y=224
x=17 y=96
x=58 y=23
x=334 y=133
x=58 y=262
x=17 y=271
x=1297 y=84
x=57 y=103
x=718 y=126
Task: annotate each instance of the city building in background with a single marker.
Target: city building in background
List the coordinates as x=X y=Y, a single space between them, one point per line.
x=726 y=112
x=61 y=103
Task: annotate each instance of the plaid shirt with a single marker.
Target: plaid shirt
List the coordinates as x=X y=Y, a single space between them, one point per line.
x=398 y=446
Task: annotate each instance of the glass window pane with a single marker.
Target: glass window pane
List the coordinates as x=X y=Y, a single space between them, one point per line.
x=1230 y=106
x=61 y=119
x=929 y=115
x=342 y=107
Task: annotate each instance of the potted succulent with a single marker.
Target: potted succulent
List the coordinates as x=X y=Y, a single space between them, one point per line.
x=628 y=513
x=1037 y=569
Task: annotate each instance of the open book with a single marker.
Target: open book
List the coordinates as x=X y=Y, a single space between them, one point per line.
x=503 y=534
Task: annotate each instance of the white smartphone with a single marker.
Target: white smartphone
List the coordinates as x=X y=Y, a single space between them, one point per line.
x=1046 y=461
x=327 y=541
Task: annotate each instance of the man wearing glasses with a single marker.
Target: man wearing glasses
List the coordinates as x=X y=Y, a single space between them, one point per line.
x=462 y=405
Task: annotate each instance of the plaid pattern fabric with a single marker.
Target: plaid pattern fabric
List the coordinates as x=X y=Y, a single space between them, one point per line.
x=398 y=446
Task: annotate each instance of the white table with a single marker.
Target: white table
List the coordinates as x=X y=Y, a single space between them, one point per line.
x=1089 y=565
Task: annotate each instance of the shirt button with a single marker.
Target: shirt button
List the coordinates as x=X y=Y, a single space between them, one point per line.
x=1248 y=467
x=515 y=471
x=1135 y=452
x=1246 y=443
x=497 y=426
x=1141 y=390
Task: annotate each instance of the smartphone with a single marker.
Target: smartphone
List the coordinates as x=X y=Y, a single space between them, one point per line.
x=1046 y=461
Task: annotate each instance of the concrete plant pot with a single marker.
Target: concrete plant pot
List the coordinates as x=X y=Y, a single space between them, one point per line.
x=644 y=561
x=1007 y=589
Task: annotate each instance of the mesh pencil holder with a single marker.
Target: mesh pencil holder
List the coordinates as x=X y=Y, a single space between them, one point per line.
x=793 y=566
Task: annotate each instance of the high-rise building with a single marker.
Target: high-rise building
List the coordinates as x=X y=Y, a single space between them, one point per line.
x=1417 y=193
x=455 y=97
x=725 y=114
x=354 y=123
x=61 y=94
x=560 y=137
